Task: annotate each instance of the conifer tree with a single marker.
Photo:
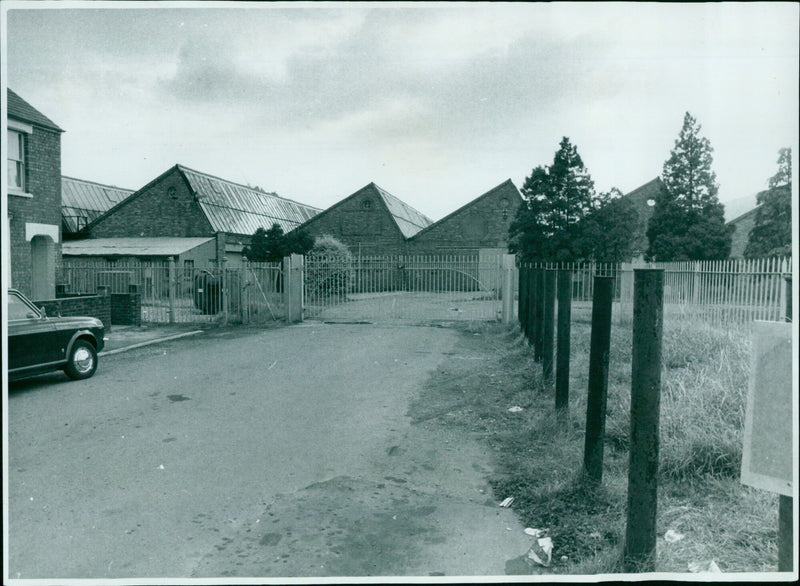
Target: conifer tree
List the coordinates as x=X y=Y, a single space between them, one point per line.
x=772 y=229
x=688 y=221
x=555 y=201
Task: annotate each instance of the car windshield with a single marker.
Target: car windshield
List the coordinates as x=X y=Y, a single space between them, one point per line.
x=18 y=309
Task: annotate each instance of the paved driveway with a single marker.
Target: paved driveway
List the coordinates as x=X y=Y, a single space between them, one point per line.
x=284 y=452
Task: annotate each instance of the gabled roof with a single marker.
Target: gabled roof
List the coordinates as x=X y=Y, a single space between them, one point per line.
x=506 y=185
x=21 y=110
x=644 y=193
x=238 y=209
x=231 y=207
x=83 y=201
x=131 y=246
x=408 y=220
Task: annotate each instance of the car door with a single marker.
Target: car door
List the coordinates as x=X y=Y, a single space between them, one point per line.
x=31 y=337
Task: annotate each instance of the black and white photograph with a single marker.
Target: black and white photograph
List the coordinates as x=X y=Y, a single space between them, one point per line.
x=399 y=292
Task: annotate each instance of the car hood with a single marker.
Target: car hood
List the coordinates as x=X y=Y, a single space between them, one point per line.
x=76 y=322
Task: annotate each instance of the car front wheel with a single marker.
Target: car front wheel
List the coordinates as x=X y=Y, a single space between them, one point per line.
x=82 y=360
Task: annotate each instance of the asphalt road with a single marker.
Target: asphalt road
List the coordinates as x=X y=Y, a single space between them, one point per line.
x=284 y=452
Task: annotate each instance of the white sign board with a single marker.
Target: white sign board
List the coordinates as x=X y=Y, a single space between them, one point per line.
x=767 y=456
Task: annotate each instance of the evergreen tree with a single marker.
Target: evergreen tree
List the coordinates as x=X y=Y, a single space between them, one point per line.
x=772 y=229
x=688 y=221
x=266 y=245
x=608 y=232
x=555 y=201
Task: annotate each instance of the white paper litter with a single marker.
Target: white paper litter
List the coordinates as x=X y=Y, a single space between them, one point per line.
x=515 y=409
x=541 y=551
x=709 y=566
x=672 y=536
x=534 y=532
x=506 y=502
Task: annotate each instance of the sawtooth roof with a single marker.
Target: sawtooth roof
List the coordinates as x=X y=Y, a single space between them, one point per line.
x=238 y=209
x=82 y=201
x=21 y=110
x=408 y=220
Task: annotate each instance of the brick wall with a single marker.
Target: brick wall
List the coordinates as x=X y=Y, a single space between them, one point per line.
x=98 y=306
x=479 y=224
x=164 y=208
x=744 y=224
x=43 y=183
x=126 y=309
x=362 y=222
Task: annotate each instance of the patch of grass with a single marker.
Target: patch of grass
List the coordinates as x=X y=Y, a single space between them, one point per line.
x=539 y=456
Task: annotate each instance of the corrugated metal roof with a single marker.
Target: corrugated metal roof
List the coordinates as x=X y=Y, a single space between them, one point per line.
x=130 y=246
x=238 y=209
x=23 y=111
x=409 y=220
x=83 y=201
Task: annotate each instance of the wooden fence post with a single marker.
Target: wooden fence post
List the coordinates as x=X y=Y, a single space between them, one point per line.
x=548 y=323
x=598 y=379
x=639 y=553
x=538 y=306
x=562 y=344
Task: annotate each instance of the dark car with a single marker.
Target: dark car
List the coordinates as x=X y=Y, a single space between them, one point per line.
x=38 y=343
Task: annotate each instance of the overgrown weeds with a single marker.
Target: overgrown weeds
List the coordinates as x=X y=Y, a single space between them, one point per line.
x=540 y=456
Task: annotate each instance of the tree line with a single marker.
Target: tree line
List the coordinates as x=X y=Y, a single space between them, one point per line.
x=562 y=218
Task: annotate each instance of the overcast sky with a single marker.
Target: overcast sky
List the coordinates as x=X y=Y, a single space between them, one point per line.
x=435 y=103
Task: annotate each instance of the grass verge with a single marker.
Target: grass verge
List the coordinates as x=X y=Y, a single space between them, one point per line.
x=538 y=459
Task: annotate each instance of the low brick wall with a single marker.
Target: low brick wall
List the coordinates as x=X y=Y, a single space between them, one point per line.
x=98 y=306
x=126 y=309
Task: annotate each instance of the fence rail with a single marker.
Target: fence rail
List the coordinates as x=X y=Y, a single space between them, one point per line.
x=420 y=287
x=171 y=294
x=729 y=291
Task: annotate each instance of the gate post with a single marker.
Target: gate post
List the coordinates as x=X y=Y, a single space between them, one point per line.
x=507 y=292
x=293 y=287
x=171 y=288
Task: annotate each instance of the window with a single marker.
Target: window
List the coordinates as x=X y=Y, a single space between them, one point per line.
x=16 y=160
x=188 y=268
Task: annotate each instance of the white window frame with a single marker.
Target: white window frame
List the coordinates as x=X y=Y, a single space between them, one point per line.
x=25 y=130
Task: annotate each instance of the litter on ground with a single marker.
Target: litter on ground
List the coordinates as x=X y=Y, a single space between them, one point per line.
x=515 y=409
x=703 y=567
x=534 y=532
x=506 y=502
x=541 y=552
x=672 y=536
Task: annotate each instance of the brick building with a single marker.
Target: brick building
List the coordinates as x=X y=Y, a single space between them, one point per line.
x=33 y=223
x=183 y=203
x=371 y=221
x=479 y=226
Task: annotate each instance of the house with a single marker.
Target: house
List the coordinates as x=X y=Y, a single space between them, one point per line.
x=479 y=226
x=184 y=203
x=33 y=181
x=84 y=201
x=370 y=221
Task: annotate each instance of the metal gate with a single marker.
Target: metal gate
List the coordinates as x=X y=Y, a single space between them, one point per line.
x=189 y=294
x=403 y=288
